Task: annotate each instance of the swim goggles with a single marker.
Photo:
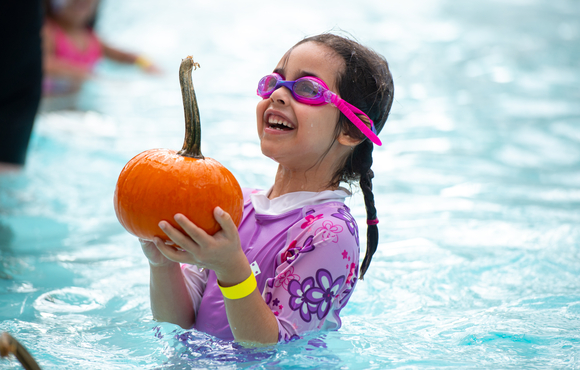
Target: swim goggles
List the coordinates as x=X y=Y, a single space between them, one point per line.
x=313 y=91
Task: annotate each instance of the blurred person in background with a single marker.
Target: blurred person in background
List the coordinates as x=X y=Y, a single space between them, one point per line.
x=71 y=48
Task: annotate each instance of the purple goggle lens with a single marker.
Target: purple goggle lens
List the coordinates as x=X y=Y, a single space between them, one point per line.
x=313 y=91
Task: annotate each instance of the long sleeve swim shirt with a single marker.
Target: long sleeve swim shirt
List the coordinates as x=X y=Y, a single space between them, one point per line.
x=304 y=250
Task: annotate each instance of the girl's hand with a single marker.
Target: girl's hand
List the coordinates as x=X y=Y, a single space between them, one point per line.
x=220 y=252
x=147 y=65
x=155 y=257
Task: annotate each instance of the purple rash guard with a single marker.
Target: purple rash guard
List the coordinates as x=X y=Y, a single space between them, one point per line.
x=308 y=260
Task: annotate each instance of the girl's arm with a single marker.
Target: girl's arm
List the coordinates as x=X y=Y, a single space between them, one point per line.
x=128 y=58
x=118 y=55
x=170 y=299
x=250 y=318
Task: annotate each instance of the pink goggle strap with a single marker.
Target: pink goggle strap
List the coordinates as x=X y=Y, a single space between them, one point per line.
x=373 y=222
x=349 y=111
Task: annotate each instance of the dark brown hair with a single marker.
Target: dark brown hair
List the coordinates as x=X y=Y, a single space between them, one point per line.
x=366 y=83
x=49 y=12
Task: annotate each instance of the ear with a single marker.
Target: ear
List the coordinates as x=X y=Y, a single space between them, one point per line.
x=347 y=140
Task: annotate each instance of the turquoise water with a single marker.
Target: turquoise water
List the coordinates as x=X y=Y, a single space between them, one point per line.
x=477 y=187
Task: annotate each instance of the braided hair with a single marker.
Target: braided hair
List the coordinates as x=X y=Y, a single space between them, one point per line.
x=366 y=83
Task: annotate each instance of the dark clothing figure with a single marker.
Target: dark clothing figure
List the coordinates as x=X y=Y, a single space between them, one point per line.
x=20 y=76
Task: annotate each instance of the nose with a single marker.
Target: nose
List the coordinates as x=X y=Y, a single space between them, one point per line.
x=281 y=95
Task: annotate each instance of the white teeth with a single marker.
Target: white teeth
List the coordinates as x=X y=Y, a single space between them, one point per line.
x=273 y=120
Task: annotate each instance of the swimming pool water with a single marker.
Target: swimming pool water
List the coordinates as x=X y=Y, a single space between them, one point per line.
x=477 y=187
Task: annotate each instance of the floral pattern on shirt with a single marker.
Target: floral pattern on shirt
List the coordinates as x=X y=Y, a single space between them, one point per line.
x=317 y=272
x=284 y=279
x=309 y=298
x=344 y=214
x=293 y=251
x=329 y=230
x=310 y=220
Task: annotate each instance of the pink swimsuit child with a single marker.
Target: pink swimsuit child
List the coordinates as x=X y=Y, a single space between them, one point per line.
x=305 y=246
x=67 y=51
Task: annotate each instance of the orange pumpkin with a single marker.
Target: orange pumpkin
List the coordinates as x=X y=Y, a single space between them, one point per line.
x=158 y=183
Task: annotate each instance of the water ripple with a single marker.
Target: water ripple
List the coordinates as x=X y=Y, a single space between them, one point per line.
x=69 y=300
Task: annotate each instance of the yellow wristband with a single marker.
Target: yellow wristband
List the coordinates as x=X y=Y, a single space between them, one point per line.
x=241 y=290
x=143 y=62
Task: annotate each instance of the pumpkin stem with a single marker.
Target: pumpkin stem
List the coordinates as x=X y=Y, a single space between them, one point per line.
x=191 y=144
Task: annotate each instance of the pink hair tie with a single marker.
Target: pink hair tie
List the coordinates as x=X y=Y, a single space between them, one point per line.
x=373 y=222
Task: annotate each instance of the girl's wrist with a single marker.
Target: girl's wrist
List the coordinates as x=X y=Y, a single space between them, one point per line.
x=241 y=290
x=164 y=265
x=234 y=275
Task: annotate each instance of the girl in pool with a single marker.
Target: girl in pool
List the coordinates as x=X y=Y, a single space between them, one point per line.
x=71 y=48
x=292 y=264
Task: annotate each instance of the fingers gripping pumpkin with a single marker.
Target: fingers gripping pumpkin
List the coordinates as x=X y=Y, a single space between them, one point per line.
x=158 y=183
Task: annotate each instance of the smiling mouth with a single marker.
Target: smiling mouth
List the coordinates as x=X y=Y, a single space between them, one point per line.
x=278 y=123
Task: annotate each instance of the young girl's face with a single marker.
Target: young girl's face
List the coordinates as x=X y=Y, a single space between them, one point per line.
x=294 y=134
